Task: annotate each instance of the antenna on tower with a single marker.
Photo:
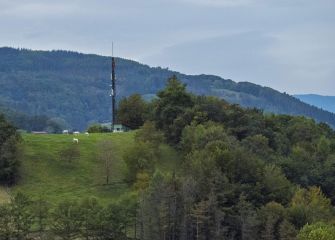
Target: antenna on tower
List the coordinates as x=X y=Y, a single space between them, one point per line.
x=113 y=90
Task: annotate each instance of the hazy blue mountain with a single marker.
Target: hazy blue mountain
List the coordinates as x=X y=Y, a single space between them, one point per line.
x=324 y=102
x=74 y=87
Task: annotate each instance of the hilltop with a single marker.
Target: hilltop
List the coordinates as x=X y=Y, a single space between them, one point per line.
x=74 y=87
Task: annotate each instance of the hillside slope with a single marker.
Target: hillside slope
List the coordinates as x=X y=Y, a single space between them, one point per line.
x=75 y=86
x=324 y=102
x=45 y=173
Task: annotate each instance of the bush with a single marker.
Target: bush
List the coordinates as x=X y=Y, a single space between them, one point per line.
x=97 y=128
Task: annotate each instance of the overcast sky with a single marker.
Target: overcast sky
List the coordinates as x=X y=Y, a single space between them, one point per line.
x=288 y=45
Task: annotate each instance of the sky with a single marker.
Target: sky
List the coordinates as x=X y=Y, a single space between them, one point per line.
x=288 y=45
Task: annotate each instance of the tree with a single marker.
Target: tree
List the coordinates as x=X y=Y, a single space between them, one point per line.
x=9 y=152
x=93 y=221
x=276 y=186
x=67 y=220
x=310 y=206
x=129 y=205
x=55 y=125
x=41 y=210
x=97 y=128
x=115 y=222
x=287 y=231
x=106 y=155
x=270 y=217
x=172 y=101
x=200 y=213
x=149 y=134
x=6 y=224
x=317 y=231
x=21 y=212
x=247 y=219
x=139 y=158
x=132 y=111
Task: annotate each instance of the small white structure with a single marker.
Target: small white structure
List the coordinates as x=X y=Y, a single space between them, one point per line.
x=87 y=133
x=75 y=140
x=120 y=128
x=76 y=132
x=66 y=131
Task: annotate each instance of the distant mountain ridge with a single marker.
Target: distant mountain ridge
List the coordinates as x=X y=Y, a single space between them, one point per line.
x=324 y=102
x=75 y=86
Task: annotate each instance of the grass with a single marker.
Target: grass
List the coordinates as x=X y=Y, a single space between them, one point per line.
x=44 y=174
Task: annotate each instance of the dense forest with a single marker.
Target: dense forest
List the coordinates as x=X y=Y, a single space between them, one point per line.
x=74 y=87
x=29 y=123
x=241 y=174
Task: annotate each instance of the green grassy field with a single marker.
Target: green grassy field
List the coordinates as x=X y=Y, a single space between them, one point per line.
x=44 y=174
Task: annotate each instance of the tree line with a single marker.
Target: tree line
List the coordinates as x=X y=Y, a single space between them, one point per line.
x=24 y=218
x=243 y=174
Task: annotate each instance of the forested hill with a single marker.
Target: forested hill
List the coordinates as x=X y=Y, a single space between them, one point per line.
x=75 y=86
x=324 y=102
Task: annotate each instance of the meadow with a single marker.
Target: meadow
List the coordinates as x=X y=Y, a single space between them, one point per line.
x=43 y=173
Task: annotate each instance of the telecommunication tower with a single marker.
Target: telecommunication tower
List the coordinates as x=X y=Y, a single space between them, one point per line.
x=113 y=93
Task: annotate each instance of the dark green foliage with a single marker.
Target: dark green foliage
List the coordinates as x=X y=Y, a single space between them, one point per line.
x=171 y=103
x=5 y=222
x=16 y=218
x=41 y=211
x=9 y=152
x=143 y=156
x=239 y=174
x=140 y=158
x=34 y=122
x=93 y=222
x=22 y=216
x=149 y=134
x=97 y=128
x=66 y=220
x=132 y=111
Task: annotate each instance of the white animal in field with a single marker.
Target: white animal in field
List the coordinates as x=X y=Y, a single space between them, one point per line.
x=76 y=132
x=75 y=140
x=87 y=133
x=65 y=131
